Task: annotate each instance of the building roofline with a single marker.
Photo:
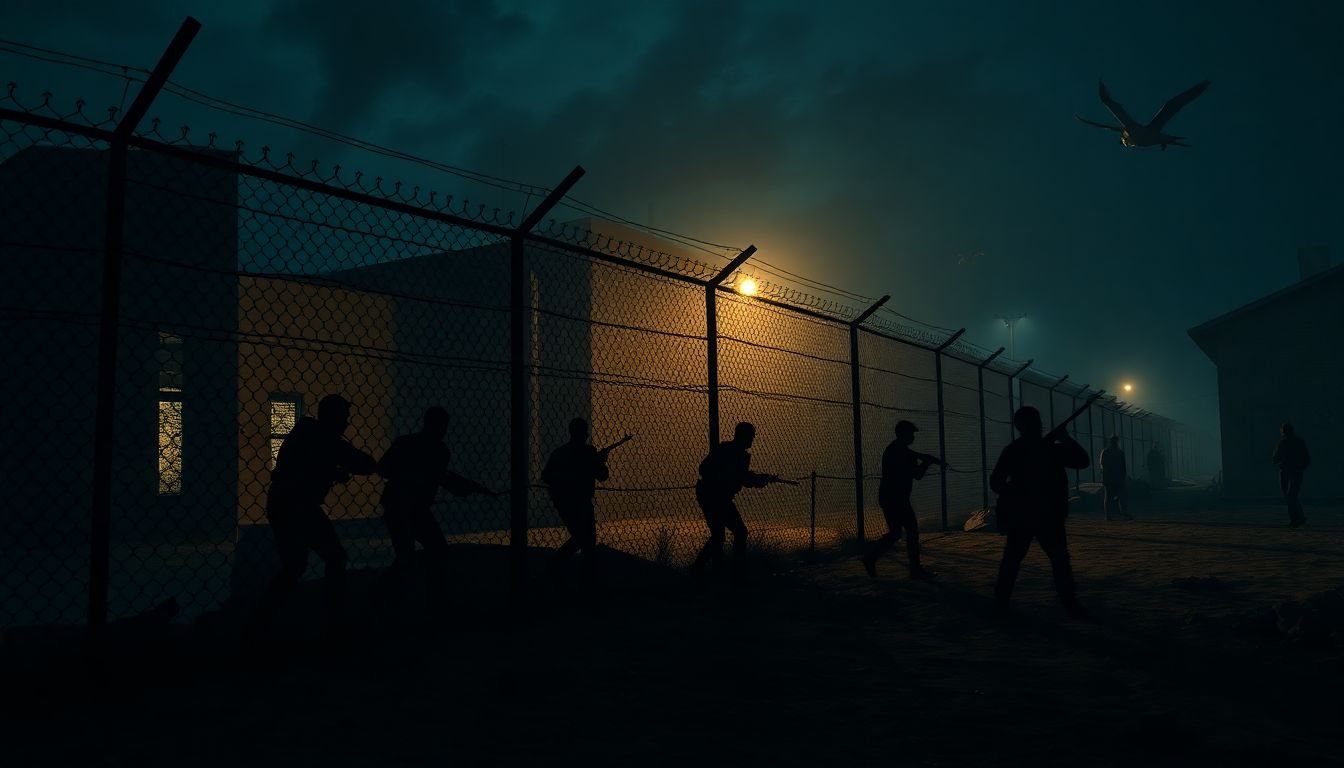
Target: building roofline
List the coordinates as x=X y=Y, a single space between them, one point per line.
x=1201 y=333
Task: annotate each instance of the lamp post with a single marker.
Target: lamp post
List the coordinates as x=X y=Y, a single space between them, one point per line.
x=1010 y=322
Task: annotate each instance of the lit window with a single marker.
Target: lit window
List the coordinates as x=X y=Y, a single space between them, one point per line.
x=285 y=412
x=169 y=358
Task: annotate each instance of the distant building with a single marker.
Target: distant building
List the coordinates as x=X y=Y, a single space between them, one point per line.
x=241 y=307
x=1278 y=360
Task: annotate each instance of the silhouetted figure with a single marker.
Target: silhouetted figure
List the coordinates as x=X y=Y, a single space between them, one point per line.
x=313 y=457
x=723 y=472
x=1292 y=459
x=414 y=468
x=1157 y=467
x=571 y=475
x=1114 y=478
x=1033 y=487
x=901 y=467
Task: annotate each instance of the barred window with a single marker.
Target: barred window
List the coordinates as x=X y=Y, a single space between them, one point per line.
x=169 y=357
x=285 y=410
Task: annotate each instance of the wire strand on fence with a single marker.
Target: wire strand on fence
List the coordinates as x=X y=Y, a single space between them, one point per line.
x=252 y=288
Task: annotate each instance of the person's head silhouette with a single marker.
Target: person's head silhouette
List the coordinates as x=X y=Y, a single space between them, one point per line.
x=744 y=434
x=436 y=422
x=905 y=432
x=1286 y=429
x=333 y=414
x=1115 y=441
x=578 y=431
x=1028 y=422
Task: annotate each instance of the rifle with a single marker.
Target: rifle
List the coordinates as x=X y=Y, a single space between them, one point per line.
x=1059 y=429
x=929 y=458
x=607 y=451
x=1006 y=511
x=769 y=479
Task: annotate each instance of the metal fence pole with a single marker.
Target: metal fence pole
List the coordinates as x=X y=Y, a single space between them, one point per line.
x=1050 y=393
x=1091 y=443
x=519 y=470
x=100 y=520
x=1142 y=432
x=942 y=431
x=856 y=400
x=984 y=448
x=712 y=341
x=1073 y=406
x=1118 y=430
x=1011 y=410
x=812 y=525
x=1129 y=438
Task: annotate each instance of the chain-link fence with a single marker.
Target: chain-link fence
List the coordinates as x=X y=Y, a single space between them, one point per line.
x=172 y=311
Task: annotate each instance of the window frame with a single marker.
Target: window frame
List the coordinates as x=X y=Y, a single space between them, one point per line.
x=294 y=398
x=175 y=348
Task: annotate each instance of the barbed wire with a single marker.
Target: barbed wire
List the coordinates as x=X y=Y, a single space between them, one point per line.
x=721 y=251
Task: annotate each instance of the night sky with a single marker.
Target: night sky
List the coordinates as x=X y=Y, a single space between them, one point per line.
x=926 y=150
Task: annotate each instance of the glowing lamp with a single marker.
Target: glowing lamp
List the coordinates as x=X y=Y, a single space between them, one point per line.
x=1129 y=387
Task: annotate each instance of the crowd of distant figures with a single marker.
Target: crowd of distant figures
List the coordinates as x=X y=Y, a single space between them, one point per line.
x=1030 y=479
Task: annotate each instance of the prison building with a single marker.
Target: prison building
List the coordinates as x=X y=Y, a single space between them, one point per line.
x=1276 y=364
x=244 y=300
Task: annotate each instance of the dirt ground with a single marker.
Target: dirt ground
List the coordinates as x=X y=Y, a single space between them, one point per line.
x=812 y=664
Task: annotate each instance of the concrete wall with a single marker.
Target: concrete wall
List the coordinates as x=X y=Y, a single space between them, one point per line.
x=312 y=340
x=180 y=243
x=1278 y=364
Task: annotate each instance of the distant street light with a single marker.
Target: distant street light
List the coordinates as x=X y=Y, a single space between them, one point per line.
x=1010 y=322
x=1128 y=388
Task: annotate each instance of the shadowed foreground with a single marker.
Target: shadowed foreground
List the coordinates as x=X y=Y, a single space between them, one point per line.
x=813 y=664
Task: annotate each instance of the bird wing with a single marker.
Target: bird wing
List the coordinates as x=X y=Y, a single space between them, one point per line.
x=1114 y=106
x=1174 y=105
x=1085 y=121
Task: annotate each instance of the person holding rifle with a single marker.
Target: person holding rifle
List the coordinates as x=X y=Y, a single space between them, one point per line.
x=1033 y=486
x=571 y=476
x=901 y=467
x=723 y=472
x=313 y=457
x=413 y=470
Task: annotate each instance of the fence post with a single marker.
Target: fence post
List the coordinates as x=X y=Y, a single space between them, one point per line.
x=1120 y=430
x=812 y=535
x=519 y=470
x=1051 y=394
x=984 y=448
x=858 y=410
x=1073 y=406
x=104 y=425
x=712 y=341
x=1011 y=410
x=1091 y=444
x=942 y=432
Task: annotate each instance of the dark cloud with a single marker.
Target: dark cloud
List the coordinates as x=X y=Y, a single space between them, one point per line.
x=864 y=145
x=368 y=51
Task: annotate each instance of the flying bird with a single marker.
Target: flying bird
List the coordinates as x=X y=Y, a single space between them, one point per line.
x=1135 y=134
